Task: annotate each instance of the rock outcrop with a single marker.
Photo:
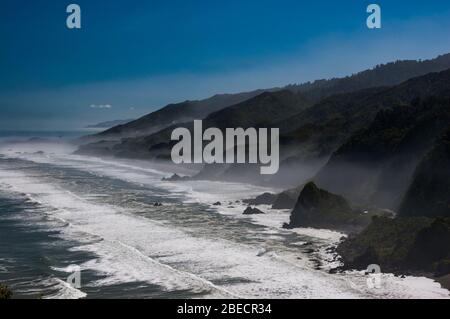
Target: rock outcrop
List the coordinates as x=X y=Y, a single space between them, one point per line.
x=402 y=245
x=318 y=208
x=264 y=199
x=284 y=200
x=176 y=178
x=252 y=211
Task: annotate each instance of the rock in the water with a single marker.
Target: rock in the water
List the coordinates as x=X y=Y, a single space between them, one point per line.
x=176 y=178
x=252 y=211
x=283 y=200
x=264 y=199
x=217 y=204
x=157 y=204
x=320 y=209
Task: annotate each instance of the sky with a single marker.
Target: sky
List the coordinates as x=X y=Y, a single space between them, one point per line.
x=133 y=57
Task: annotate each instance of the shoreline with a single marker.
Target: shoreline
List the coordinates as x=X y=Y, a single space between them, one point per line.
x=272 y=220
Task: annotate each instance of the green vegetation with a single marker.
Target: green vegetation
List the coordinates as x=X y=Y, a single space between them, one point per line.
x=400 y=245
x=5 y=292
x=375 y=166
x=429 y=192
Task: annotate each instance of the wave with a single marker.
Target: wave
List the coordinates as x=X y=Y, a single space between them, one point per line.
x=133 y=249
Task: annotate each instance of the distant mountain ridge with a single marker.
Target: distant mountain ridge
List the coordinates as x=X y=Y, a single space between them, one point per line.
x=277 y=105
x=388 y=74
x=382 y=75
x=109 y=124
x=173 y=114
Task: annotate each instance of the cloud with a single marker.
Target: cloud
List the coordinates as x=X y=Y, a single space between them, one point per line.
x=100 y=106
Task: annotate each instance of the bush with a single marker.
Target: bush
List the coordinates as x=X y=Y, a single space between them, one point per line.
x=5 y=292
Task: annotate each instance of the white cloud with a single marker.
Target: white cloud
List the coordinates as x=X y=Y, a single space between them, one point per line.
x=100 y=106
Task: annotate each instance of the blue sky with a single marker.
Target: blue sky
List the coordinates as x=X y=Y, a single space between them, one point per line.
x=137 y=56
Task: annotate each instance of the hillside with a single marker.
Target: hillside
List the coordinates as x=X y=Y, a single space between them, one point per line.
x=174 y=114
x=108 y=124
x=310 y=137
x=276 y=105
x=429 y=193
x=400 y=245
x=388 y=74
x=375 y=165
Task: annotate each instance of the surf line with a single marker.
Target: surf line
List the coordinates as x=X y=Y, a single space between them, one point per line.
x=237 y=146
x=205 y=282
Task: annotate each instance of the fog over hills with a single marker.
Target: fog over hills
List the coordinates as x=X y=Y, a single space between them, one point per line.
x=318 y=121
x=382 y=75
x=174 y=114
x=109 y=124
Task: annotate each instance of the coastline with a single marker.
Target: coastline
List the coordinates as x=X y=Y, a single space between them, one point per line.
x=318 y=261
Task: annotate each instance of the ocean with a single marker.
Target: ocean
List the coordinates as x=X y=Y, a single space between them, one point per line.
x=60 y=212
